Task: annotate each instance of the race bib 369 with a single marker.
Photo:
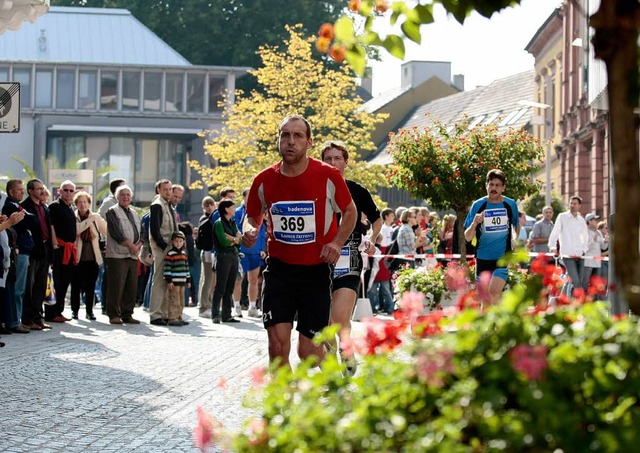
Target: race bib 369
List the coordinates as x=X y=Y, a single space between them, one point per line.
x=294 y=222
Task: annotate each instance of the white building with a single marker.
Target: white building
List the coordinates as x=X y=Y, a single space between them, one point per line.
x=98 y=84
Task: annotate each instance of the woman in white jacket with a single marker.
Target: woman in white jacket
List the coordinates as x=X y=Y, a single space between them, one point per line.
x=88 y=257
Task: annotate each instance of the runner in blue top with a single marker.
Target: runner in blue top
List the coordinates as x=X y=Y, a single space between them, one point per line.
x=490 y=219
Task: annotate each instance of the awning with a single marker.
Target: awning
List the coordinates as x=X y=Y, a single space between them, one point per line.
x=123 y=129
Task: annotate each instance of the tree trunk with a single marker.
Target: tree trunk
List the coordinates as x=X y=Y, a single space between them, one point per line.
x=462 y=244
x=616 y=26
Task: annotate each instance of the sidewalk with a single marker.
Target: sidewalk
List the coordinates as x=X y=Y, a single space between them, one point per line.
x=92 y=387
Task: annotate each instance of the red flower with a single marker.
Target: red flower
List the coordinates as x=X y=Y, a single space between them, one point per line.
x=337 y=53
x=382 y=6
x=354 y=5
x=597 y=286
x=428 y=325
x=539 y=264
x=381 y=336
x=619 y=316
x=327 y=31
x=468 y=300
x=580 y=295
x=529 y=360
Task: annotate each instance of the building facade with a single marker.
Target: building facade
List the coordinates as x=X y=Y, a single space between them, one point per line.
x=99 y=90
x=547 y=49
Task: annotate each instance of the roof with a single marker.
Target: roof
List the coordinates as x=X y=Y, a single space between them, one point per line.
x=376 y=103
x=88 y=36
x=497 y=103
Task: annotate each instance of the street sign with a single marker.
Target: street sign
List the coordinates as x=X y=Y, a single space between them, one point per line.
x=9 y=107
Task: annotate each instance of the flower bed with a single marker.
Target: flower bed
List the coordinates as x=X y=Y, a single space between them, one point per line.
x=510 y=378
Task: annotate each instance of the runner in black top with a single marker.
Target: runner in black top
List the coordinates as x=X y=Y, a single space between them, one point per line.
x=346 y=277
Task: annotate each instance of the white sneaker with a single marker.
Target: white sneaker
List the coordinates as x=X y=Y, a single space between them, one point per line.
x=238 y=311
x=206 y=314
x=254 y=312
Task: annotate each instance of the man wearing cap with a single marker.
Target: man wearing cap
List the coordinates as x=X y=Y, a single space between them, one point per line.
x=571 y=231
x=123 y=246
x=596 y=245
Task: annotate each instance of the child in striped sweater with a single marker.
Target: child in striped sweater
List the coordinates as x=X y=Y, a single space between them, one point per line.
x=176 y=273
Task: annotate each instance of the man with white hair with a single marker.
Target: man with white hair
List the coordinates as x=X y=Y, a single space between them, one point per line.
x=123 y=245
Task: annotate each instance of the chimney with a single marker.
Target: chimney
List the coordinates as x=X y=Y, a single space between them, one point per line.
x=415 y=73
x=458 y=81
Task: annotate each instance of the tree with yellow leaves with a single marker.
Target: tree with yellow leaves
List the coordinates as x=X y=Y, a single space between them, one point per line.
x=291 y=81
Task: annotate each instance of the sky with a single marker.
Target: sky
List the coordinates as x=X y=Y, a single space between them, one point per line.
x=483 y=50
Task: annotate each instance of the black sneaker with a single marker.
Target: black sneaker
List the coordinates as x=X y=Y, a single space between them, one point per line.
x=184 y=323
x=74 y=315
x=159 y=322
x=232 y=319
x=216 y=319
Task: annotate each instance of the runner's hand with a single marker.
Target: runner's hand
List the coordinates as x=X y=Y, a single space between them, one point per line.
x=330 y=252
x=249 y=238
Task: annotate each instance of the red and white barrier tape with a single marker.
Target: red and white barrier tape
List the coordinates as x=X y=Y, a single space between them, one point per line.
x=456 y=255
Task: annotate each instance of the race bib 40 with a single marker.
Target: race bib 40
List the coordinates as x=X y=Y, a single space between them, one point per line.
x=496 y=220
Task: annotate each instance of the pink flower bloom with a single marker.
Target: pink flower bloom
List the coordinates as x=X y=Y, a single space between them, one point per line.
x=529 y=360
x=348 y=345
x=222 y=383
x=449 y=312
x=455 y=277
x=482 y=287
x=258 y=432
x=258 y=375
x=433 y=366
x=203 y=433
x=411 y=304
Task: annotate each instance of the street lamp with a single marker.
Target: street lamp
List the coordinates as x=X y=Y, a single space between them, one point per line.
x=540 y=120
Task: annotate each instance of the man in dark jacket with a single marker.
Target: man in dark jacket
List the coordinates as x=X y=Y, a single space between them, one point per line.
x=15 y=194
x=40 y=257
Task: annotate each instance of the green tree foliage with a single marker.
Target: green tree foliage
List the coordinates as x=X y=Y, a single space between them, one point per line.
x=533 y=205
x=616 y=25
x=449 y=168
x=222 y=32
x=294 y=82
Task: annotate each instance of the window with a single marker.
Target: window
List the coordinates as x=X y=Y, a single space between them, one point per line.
x=152 y=91
x=130 y=91
x=44 y=88
x=121 y=159
x=109 y=90
x=4 y=74
x=173 y=93
x=491 y=118
x=216 y=92
x=146 y=169
x=195 y=93
x=477 y=120
x=23 y=77
x=508 y=118
x=87 y=93
x=517 y=116
x=65 y=85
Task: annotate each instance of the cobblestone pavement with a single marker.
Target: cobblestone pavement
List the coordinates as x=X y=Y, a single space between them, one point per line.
x=91 y=387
